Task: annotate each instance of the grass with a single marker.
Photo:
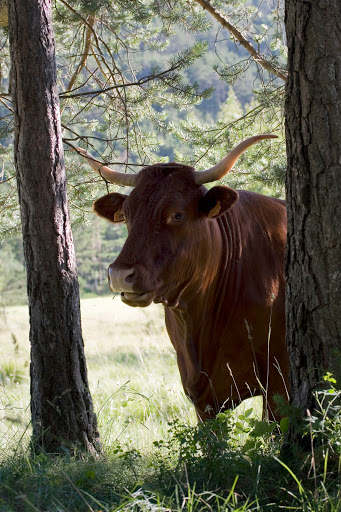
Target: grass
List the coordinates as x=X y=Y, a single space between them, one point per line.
x=157 y=458
x=133 y=375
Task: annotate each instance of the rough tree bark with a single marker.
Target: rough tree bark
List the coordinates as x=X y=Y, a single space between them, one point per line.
x=313 y=131
x=61 y=404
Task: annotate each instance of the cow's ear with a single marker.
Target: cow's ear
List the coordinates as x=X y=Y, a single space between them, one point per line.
x=217 y=201
x=110 y=207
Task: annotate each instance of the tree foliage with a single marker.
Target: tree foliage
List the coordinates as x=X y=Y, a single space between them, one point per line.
x=135 y=83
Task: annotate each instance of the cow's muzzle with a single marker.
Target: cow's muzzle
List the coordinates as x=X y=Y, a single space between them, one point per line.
x=122 y=280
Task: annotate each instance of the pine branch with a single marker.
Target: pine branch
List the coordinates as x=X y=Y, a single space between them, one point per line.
x=6 y=105
x=140 y=82
x=87 y=45
x=241 y=39
x=96 y=37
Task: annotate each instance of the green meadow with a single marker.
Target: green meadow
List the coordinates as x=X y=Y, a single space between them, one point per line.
x=132 y=371
x=156 y=457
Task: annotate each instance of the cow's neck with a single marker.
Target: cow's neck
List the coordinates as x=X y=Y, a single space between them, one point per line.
x=209 y=325
x=201 y=307
x=205 y=304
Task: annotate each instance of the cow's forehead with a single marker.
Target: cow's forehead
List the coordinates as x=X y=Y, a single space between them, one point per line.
x=165 y=181
x=167 y=173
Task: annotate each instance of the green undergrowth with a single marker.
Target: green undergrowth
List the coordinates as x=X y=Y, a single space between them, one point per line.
x=227 y=464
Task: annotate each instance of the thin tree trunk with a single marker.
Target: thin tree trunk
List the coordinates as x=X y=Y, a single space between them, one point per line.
x=313 y=130
x=61 y=404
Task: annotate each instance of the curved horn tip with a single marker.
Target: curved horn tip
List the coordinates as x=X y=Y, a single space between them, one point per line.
x=219 y=170
x=115 y=177
x=87 y=155
x=264 y=136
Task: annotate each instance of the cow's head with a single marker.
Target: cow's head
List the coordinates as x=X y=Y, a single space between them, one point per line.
x=169 y=216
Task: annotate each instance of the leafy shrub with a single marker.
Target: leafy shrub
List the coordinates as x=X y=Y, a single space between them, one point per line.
x=215 y=452
x=216 y=437
x=325 y=423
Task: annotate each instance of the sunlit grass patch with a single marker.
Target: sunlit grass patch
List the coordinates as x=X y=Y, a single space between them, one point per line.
x=132 y=371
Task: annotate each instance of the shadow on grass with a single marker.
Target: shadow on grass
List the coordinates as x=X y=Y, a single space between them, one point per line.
x=177 y=475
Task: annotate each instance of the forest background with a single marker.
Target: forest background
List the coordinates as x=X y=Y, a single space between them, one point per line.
x=219 y=98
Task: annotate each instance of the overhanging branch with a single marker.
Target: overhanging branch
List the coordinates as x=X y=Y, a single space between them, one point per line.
x=241 y=39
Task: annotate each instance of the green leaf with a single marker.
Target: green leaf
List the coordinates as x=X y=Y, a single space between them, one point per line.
x=262 y=427
x=284 y=425
x=239 y=426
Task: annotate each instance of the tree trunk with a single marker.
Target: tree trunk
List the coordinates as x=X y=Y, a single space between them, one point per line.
x=61 y=404
x=313 y=131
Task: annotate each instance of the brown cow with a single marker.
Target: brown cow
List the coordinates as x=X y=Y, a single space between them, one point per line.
x=215 y=260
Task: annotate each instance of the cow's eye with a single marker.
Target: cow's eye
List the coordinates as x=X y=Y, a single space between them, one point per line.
x=177 y=216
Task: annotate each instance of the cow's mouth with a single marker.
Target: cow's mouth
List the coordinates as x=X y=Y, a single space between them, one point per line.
x=135 y=299
x=167 y=296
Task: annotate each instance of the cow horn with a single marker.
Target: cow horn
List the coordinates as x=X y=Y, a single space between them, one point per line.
x=119 y=178
x=218 y=171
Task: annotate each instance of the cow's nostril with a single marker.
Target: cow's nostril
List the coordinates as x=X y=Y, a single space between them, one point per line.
x=129 y=279
x=121 y=279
